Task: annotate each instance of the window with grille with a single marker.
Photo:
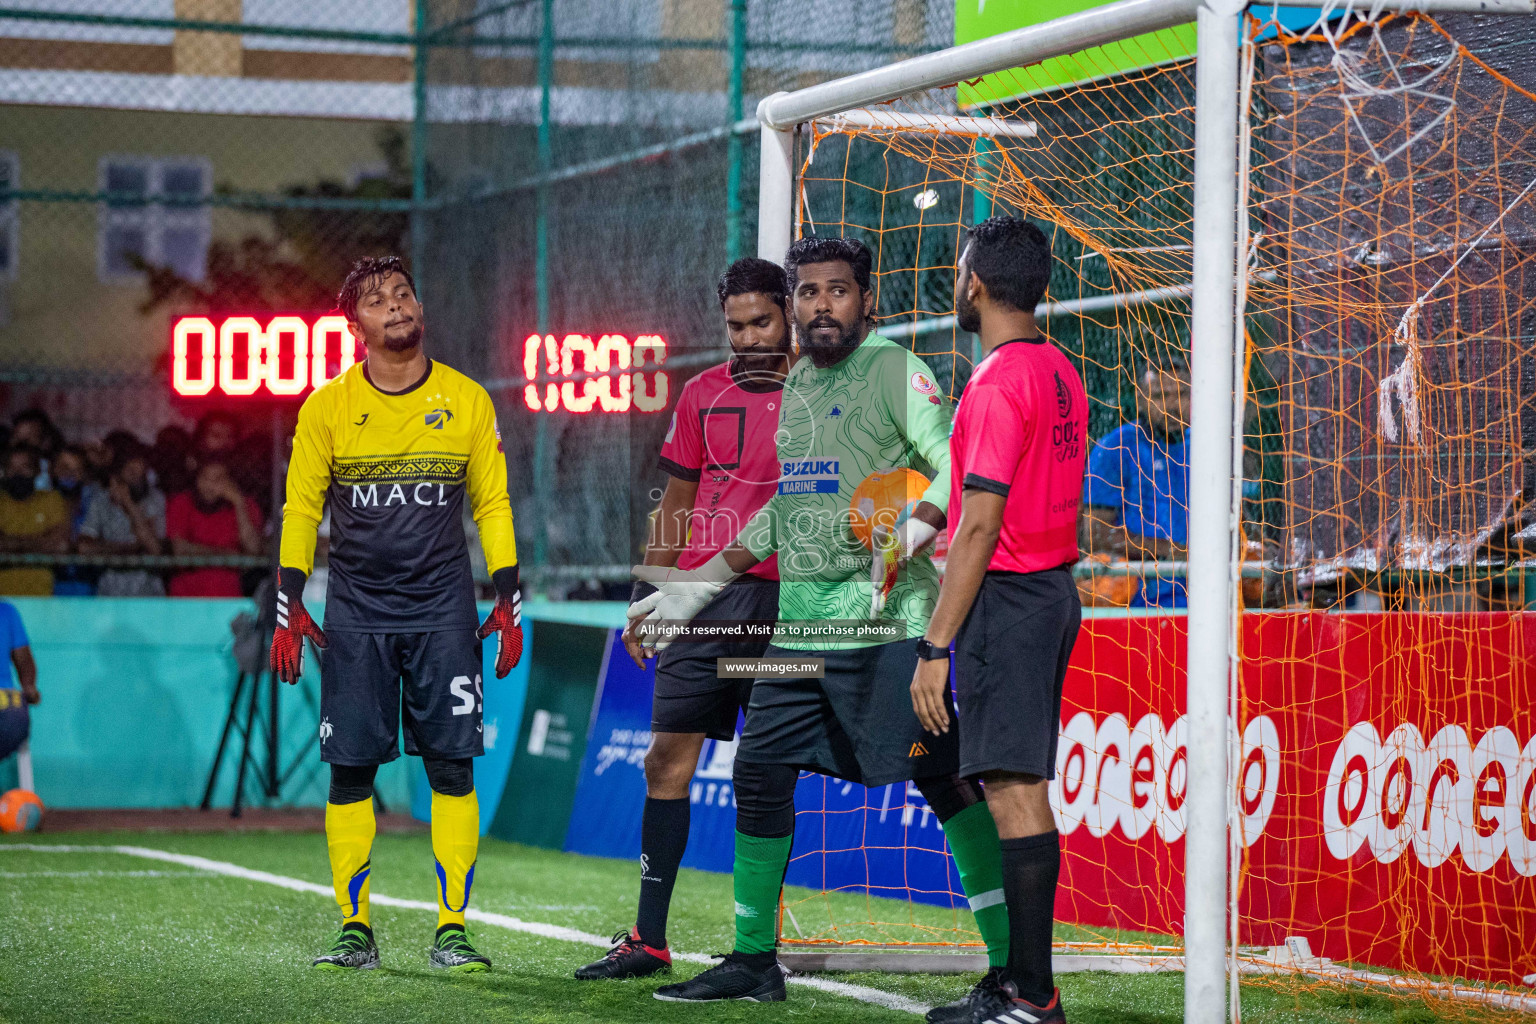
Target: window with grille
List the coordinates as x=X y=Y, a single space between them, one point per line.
x=153 y=214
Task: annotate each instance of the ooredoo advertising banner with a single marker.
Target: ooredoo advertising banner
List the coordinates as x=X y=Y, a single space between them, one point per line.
x=1386 y=785
x=1386 y=790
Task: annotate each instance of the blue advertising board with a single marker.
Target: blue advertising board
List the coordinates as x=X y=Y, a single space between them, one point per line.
x=884 y=841
x=610 y=793
x=135 y=691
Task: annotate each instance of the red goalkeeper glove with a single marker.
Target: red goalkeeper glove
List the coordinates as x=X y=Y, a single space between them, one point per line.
x=506 y=621
x=293 y=625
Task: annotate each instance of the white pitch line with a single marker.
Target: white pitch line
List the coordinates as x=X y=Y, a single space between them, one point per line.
x=862 y=993
x=106 y=874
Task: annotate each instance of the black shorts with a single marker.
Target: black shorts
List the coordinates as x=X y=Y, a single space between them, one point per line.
x=855 y=724
x=1010 y=660
x=690 y=697
x=15 y=722
x=363 y=677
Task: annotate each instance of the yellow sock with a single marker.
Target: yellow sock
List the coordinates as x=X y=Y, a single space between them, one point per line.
x=349 y=830
x=455 y=844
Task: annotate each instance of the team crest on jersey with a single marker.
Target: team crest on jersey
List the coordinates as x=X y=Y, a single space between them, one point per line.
x=437 y=419
x=923 y=384
x=497 y=427
x=1063 y=398
x=671 y=429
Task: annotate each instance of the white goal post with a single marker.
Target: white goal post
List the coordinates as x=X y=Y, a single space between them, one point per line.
x=1214 y=332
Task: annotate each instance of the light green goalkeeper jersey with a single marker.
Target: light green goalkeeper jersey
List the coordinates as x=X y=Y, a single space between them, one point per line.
x=878 y=409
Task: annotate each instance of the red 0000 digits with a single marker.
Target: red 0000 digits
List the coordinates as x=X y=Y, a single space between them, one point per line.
x=239 y=357
x=599 y=383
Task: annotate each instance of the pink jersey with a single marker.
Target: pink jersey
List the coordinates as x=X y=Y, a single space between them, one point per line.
x=1022 y=431
x=722 y=437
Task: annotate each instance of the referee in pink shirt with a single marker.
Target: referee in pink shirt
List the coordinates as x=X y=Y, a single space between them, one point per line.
x=1017 y=455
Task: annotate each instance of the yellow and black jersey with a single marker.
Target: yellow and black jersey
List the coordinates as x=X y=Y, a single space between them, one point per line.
x=395 y=468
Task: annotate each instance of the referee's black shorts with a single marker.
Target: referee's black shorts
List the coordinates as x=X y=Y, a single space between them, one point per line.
x=1010 y=661
x=690 y=697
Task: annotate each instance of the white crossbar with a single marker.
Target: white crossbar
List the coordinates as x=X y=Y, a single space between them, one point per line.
x=1022 y=46
x=938 y=124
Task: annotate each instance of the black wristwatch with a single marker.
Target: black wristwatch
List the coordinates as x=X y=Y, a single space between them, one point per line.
x=930 y=652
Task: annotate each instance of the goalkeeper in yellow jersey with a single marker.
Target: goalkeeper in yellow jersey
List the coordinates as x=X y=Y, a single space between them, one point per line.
x=396 y=444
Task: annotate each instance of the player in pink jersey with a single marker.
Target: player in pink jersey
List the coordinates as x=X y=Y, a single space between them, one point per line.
x=722 y=466
x=1017 y=456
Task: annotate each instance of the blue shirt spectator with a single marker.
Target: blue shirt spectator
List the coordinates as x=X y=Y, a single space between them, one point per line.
x=1137 y=486
x=18 y=688
x=70 y=474
x=13 y=638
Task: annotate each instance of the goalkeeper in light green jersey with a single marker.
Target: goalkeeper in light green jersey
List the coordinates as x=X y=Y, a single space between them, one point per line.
x=855 y=403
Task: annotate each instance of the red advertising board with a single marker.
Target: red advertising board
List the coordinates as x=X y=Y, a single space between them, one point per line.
x=1387 y=785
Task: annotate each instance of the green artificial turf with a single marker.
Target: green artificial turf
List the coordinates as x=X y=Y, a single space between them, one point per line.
x=99 y=936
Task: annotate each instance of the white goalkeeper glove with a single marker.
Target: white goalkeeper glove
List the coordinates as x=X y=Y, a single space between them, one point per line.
x=680 y=595
x=893 y=549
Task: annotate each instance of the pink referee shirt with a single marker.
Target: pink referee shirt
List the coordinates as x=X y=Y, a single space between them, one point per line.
x=722 y=438
x=1022 y=431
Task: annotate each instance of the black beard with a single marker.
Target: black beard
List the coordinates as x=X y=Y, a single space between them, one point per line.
x=406 y=343
x=759 y=363
x=757 y=380
x=967 y=316
x=823 y=356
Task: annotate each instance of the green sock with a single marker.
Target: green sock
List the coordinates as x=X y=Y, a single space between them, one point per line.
x=972 y=837
x=758 y=877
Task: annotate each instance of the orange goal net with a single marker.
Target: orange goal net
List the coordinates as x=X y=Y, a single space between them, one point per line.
x=1383 y=786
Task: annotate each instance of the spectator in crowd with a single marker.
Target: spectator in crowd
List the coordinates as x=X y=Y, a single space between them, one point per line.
x=71 y=478
x=98 y=461
x=128 y=518
x=33 y=428
x=1136 y=495
x=214 y=518
x=216 y=433
x=250 y=463
x=171 y=459
x=32 y=521
x=18 y=681
x=120 y=441
x=103 y=455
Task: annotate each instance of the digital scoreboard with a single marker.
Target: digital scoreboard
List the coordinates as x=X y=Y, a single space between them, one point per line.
x=239 y=356
x=608 y=378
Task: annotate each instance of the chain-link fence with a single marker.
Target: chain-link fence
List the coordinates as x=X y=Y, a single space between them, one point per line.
x=550 y=168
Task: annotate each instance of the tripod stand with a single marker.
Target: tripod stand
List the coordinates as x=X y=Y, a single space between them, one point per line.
x=254 y=721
